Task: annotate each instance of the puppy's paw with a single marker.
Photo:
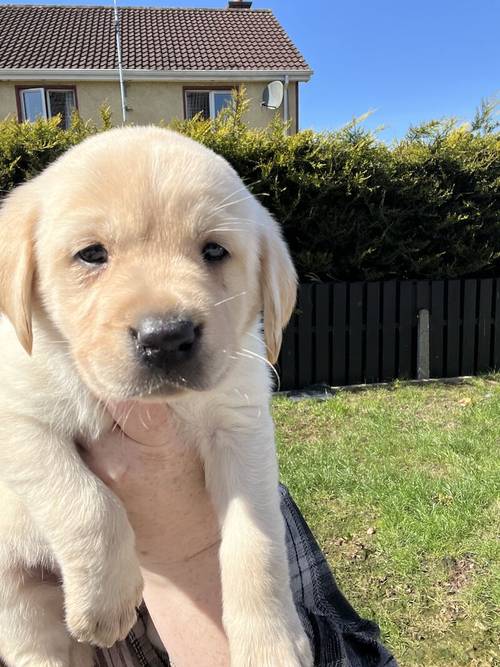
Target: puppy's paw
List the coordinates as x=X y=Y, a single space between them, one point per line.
x=272 y=644
x=102 y=610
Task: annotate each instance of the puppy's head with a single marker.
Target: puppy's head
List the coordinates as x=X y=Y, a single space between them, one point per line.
x=149 y=258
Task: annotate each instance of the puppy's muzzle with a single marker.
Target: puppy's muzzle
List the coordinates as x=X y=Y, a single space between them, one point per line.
x=166 y=343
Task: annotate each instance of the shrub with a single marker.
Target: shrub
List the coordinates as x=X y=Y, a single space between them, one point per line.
x=27 y=148
x=351 y=207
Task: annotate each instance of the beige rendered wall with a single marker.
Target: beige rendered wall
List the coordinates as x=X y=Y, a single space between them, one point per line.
x=149 y=102
x=152 y=102
x=7 y=100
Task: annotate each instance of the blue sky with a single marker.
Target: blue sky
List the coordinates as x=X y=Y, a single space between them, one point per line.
x=409 y=60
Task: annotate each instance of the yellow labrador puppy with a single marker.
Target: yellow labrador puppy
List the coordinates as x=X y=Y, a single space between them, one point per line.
x=137 y=267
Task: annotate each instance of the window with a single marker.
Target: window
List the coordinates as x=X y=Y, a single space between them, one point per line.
x=47 y=102
x=33 y=104
x=207 y=102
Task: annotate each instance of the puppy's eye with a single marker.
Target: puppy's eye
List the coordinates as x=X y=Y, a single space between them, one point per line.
x=93 y=254
x=213 y=252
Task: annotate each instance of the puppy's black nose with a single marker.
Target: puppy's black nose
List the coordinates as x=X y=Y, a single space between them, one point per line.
x=164 y=342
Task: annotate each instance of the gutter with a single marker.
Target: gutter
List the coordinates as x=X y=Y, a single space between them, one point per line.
x=25 y=74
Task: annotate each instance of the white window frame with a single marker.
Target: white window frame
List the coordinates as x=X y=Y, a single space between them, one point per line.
x=211 y=98
x=23 y=103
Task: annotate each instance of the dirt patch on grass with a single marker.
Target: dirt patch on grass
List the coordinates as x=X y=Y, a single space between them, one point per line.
x=460 y=572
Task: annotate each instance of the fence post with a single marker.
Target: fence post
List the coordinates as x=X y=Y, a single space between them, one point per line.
x=423 y=350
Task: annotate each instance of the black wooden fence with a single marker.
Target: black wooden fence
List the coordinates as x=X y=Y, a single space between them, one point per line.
x=350 y=333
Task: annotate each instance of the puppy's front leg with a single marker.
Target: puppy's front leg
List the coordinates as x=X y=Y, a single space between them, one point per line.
x=85 y=527
x=259 y=614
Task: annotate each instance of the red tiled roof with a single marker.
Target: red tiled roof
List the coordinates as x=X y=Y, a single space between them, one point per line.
x=69 y=37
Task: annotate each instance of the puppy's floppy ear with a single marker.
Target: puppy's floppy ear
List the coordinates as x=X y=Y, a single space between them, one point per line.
x=279 y=283
x=17 y=217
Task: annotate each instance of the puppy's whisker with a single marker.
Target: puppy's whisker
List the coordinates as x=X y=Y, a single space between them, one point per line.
x=101 y=408
x=231 y=203
x=231 y=194
x=261 y=340
x=242 y=221
x=245 y=396
x=230 y=222
x=230 y=356
x=229 y=298
x=144 y=425
x=124 y=424
x=222 y=229
x=235 y=192
x=254 y=355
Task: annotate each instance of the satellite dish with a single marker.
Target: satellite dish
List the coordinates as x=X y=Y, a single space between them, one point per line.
x=273 y=95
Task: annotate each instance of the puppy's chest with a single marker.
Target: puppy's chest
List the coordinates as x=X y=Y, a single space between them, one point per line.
x=192 y=422
x=208 y=420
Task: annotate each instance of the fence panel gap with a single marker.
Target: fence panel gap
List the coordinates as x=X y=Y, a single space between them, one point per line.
x=469 y=328
x=407 y=316
x=322 y=326
x=355 y=369
x=484 y=362
x=339 y=334
x=436 y=328
x=305 y=335
x=372 y=372
x=389 y=331
x=453 y=329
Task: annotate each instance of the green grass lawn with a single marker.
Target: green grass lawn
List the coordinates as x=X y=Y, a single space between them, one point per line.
x=401 y=487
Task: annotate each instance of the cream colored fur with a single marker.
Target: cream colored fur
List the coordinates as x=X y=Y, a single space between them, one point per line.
x=151 y=195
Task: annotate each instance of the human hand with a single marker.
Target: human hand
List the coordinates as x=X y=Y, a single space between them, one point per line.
x=160 y=480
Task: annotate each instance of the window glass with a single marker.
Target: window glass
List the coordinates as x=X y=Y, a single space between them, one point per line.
x=33 y=104
x=62 y=102
x=196 y=102
x=221 y=100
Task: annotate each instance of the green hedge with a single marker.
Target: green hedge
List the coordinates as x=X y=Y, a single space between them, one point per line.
x=351 y=206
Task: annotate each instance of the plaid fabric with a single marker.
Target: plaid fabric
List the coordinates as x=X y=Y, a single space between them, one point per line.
x=339 y=637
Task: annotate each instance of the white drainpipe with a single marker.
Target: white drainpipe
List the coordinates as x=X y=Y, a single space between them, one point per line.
x=120 y=68
x=285 y=101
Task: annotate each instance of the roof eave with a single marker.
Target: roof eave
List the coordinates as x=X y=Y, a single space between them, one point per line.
x=25 y=74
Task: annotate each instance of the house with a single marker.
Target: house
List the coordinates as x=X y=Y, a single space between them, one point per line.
x=174 y=62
